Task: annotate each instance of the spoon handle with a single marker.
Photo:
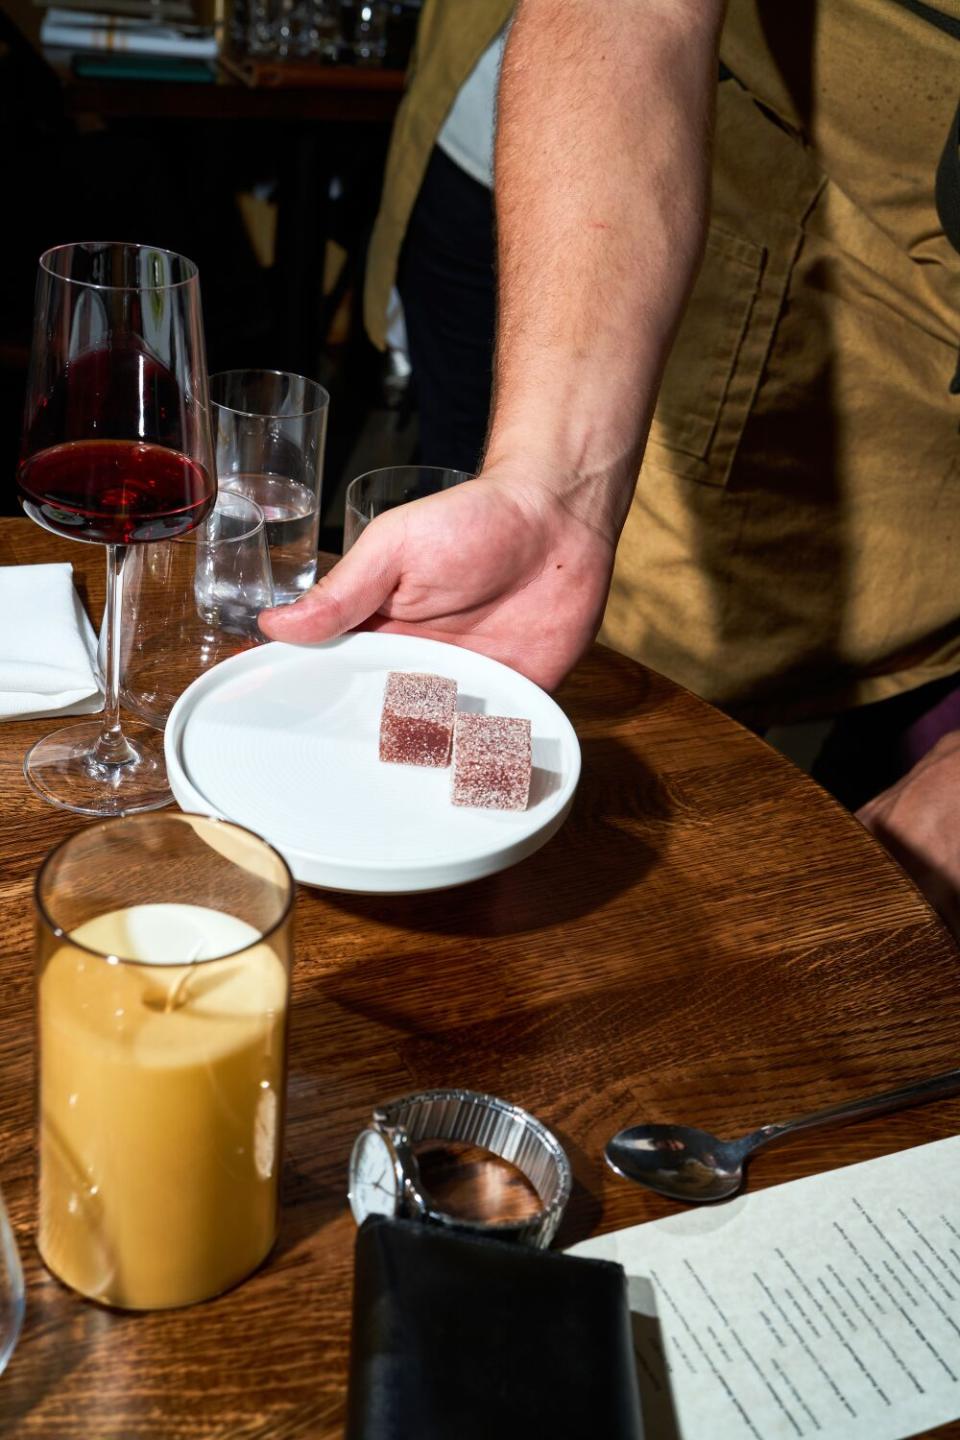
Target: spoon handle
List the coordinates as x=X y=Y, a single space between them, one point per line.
x=938 y=1087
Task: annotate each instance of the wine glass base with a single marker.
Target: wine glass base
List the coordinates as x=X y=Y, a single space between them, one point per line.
x=61 y=769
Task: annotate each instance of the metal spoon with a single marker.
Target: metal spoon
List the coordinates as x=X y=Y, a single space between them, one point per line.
x=688 y=1164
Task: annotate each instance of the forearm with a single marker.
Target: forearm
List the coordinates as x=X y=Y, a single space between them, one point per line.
x=602 y=190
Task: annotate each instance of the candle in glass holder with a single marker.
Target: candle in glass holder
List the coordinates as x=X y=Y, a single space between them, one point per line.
x=162 y=1063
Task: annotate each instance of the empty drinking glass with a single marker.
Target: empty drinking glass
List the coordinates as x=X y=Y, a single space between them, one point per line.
x=370 y=495
x=270 y=429
x=187 y=606
x=12 y=1300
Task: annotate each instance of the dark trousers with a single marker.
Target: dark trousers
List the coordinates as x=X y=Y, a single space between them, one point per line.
x=870 y=748
x=446 y=282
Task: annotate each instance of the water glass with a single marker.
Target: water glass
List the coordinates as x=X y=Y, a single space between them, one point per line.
x=192 y=602
x=270 y=430
x=163 y=973
x=379 y=490
x=12 y=1298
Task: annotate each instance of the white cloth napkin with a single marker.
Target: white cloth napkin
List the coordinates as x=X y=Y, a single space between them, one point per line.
x=48 y=651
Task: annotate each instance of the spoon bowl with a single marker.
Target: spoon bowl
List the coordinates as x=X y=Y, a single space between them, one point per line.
x=678 y=1161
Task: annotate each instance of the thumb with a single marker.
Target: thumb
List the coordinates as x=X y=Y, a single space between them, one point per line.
x=350 y=593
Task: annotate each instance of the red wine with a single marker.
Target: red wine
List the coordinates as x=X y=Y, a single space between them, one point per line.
x=117 y=492
x=120 y=393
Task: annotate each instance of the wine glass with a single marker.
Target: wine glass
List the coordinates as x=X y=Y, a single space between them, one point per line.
x=11 y=1290
x=117 y=450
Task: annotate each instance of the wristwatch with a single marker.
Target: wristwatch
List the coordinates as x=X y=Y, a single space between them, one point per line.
x=385 y=1176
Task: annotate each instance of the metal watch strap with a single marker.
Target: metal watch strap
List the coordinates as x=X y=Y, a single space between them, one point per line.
x=508 y=1132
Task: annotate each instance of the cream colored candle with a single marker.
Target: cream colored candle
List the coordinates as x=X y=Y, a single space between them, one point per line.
x=161 y=1100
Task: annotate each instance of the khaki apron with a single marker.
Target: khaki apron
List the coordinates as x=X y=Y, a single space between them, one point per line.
x=793 y=545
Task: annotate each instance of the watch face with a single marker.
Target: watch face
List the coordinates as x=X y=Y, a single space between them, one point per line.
x=374 y=1187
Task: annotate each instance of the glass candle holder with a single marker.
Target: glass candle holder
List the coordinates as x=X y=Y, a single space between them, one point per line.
x=163 y=973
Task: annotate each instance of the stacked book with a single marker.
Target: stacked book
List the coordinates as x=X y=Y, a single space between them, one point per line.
x=132 y=27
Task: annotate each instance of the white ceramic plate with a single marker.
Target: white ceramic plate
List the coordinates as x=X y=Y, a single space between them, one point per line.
x=283 y=739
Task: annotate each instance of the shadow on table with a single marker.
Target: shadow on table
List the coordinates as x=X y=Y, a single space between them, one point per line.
x=54 y=1343
x=612 y=691
x=584 y=1210
x=614 y=834
x=310 y=1199
x=653 y=1374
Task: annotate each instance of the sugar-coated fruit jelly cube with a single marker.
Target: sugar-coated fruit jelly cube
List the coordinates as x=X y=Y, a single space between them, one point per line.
x=416 y=727
x=491 y=762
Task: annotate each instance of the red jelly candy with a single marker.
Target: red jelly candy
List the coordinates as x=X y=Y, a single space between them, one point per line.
x=491 y=762
x=416 y=727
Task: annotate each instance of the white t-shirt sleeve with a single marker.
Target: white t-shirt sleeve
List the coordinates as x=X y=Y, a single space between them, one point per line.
x=467 y=134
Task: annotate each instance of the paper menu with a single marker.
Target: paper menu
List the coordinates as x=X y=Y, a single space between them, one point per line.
x=826 y=1307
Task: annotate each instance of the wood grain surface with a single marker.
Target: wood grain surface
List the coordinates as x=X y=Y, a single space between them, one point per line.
x=709 y=938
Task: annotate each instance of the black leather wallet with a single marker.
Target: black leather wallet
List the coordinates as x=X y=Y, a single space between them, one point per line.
x=461 y=1337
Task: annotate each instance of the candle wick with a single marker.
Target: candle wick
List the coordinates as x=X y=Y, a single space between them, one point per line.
x=174 y=996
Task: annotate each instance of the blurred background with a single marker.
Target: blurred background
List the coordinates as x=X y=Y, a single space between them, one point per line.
x=250 y=138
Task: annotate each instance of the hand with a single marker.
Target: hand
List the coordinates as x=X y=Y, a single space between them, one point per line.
x=918 y=821
x=499 y=564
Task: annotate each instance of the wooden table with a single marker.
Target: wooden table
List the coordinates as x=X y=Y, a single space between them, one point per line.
x=709 y=938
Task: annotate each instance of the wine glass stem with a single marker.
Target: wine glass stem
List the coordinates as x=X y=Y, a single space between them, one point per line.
x=112 y=748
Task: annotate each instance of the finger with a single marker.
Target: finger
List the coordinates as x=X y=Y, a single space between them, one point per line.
x=348 y=595
x=868 y=814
